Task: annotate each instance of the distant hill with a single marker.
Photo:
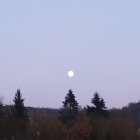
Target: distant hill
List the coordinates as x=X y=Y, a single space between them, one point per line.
x=50 y=111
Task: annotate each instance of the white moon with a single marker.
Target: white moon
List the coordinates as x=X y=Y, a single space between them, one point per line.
x=70 y=73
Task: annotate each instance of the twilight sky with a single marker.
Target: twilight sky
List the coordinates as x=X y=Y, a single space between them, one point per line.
x=41 y=40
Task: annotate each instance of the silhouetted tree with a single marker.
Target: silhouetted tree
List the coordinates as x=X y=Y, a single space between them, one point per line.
x=19 y=109
x=70 y=108
x=98 y=108
x=20 y=117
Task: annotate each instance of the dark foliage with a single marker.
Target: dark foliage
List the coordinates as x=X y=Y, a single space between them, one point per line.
x=19 y=110
x=42 y=125
x=98 y=109
x=70 y=108
x=132 y=112
x=19 y=117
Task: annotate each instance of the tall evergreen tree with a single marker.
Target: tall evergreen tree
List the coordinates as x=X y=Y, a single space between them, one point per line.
x=19 y=117
x=19 y=110
x=98 y=108
x=70 y=108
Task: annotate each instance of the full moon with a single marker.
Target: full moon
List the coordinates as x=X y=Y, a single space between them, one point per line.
x=70 y=73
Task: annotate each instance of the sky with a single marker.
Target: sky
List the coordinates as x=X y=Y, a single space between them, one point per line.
x=40 y=40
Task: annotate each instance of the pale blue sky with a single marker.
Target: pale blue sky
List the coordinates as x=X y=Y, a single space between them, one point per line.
x=41 y=40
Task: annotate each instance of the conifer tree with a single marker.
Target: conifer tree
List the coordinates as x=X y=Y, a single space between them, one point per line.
x=19 y=117
x=98 y=108
x=19 y=110
x=70 y=108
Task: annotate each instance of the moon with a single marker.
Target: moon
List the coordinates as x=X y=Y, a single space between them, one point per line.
x=70 y=73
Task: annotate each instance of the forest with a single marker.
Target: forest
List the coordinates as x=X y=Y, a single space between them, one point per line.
x=70 y=122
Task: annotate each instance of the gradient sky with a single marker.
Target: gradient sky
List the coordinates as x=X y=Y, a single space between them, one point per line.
x=41 y=40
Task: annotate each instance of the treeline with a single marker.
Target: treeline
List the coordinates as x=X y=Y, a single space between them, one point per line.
x=131 y=112
x=93 y=122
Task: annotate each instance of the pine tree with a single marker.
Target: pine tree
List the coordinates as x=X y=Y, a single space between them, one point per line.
x=98 y=108
x=19 y=110
x=70 y=102
x=70 y=108
x=19 y=117
x=96 y=101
